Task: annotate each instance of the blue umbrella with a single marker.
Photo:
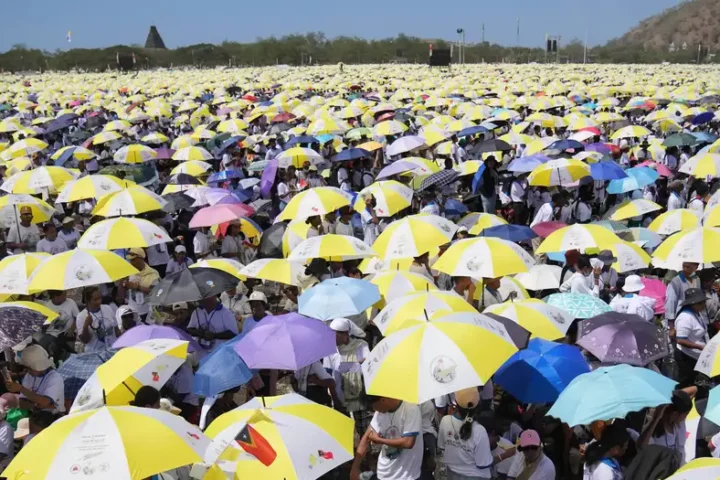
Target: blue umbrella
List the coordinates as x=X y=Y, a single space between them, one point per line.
x=78 y=368
x=512 y=233
x=527 y=164
x=637 y=178
x=302 y=139
x=704 y=137
x=455 y=207
x=351 y=154
x=472 y=131
x=222 y=370
x=703 y=118
x=338 y=297
x=611 y=392
x=230 y=142
x=325 y=137
x=563 y=145
x=540 y=372
x=57 y=125
x=224 y=176
x=66 y=155
x=607 y=170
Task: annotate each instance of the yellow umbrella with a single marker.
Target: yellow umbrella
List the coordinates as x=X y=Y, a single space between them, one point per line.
x=414 y=236
x=484 y=257
x=542 y=320
x=274 y=270
x=92 y=186
x=79 y=268
x=16 y=270
x=558 y=173
x=227 y=265
x=477 y=222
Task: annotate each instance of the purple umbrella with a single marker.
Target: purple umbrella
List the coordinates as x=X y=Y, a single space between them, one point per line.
x=286 y=342
x=603 y=148
x=268 y=178
x=164 y=153
x=140 y=333
x=396 y=168
x=622 y=338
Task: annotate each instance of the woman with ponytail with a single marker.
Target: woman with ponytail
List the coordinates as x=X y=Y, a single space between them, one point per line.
x=464 y=441
x=602 y=458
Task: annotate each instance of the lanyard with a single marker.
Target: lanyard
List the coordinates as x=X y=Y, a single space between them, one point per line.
x=208 y=319
x=36 y=389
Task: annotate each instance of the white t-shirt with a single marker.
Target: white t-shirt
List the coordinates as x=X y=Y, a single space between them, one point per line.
x=344 y=229
x=427 y=412
x=602 y=471
x=283 y=192
x=504 y=466
x=29 y=235
x=545 y=469
x=52 y=247
x=175 y=266
x=690 y=327
x=50 y=385
x=544 y=214
x=469 y=457
x=68 y=312
x=102 y=328
x=70 y=238
x=395 y=463
x=302 y=375
x=201 y=244
x=157 y=255
x=218 y=321
x=370 y=229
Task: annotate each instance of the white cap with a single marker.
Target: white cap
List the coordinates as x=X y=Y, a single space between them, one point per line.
x=595 y=263
x=633 y=283
x=341 y=324
x=180 y=249
x=121 y=312
x=623 y=143
x=258 y=297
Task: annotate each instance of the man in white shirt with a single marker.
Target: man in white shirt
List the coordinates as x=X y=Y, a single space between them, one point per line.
x=68 y=233
x=586 y=279
x=67 y=310
x=396 y=427
x=675 y=200
x=343 y=226
x=212 y=324
x=369 y=219
x=203 y=245
x=546 y=213
x=273 y=150
x=23 y=236
x=51 y=244
x=42 y=388
x=179 y=261
x=697 y=202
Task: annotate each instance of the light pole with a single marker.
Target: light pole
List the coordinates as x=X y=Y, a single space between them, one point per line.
x=461 y=49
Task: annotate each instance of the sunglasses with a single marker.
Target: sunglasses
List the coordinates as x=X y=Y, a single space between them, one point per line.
x=530 y=448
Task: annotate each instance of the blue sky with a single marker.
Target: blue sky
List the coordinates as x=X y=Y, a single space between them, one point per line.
x=183 y=22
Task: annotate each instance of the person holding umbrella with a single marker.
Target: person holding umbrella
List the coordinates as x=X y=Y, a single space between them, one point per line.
x=42 y=387
x=140 y=284
x=212 y=323
x=25 y=235
x=692 y=334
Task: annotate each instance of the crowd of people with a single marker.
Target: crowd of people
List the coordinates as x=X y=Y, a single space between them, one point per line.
x=468 y=147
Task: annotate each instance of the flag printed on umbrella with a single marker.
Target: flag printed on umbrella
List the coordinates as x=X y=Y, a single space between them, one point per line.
x=256 y=445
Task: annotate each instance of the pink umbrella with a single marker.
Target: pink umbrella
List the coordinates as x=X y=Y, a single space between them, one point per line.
x=659 y=167
x=217 y=214
x=655 y=289
x=546 y=228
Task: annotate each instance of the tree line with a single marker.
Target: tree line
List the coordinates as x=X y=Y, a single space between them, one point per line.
x=316 y=48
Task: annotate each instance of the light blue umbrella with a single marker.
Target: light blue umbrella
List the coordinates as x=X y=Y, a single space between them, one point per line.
x=712 y=411
x=636 y=179
x=579 y=305
x=611 y=392
x=220 y=371
x=338 y=297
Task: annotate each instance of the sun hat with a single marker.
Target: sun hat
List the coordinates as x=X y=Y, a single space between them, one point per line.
x=467 y=398
x=36 y=358
x=693 y=296
x=633 y=283
x=607 y=257
x=529 y=438
x=23 y=428
x=68 y=220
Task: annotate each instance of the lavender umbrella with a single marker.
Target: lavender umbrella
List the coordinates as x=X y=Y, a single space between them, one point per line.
x=268 y=178
x=396 y=168
x=164 y=153
x=622 y=338
x=286 y=342
x=140 y=333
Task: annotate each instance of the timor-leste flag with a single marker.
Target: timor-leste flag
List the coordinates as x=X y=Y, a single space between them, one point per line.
x=256 y=445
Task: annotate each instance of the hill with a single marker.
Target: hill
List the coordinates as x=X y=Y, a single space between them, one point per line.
x=687 y=25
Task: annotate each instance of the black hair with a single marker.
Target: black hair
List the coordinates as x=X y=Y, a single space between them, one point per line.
x=468 y=416
x=88 y=293
x=558 y=198
x=48 y=226
x=614 y=435
x=680 y=403
x=701 y=189
x=146 y=397
x=583 y=262
x=41 y=418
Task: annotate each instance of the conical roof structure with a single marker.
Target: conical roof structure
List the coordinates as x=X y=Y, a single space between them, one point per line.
x=154 y=40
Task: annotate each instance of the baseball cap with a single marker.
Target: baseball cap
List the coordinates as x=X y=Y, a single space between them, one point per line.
x=180 y=249
x=179 y=306
x=136 y=252
x=467 y=398
x=529 y=438
x=68 y=220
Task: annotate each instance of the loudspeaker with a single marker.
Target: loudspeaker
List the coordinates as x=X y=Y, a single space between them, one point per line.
x=548 y=48
x=554 y=46
x=125 y=61
x=440 y=58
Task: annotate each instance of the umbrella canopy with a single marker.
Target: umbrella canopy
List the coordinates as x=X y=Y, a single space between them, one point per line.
x=578 y=237
x=396 y=168
x=637 y=178
x=286 y=342
x=439 y=179
x=611 y=392
x=115 y=382
x=221 y=370
x=79 y=367
x=227 y=265
x=697 y=245
x=316 y=201
x=558 y=173
x=420 y=306
x=540 y=319
x=622 y=338
x=511 y=233
x=274 y=270
x=541 y=372
x=433 y=359
x=540 y=277
x=633 y=208
x=477 y=222
x=16 y=270
x=92 y=186
x=698 y=469
x=21 y=320
x=79 y=268
x=191 y=285
x=578 y=305
x=338 y=297
x=331 y=247
x=135 y=154
x=405 y=144
x=484 y=258
x=390 y=196
x=395 y=283
x=120 y=233
x=280 y=437
x=37 y=180
x=709 y=362
x=223 y=213
x=138 y=443
x=607 y=170
x=11 y=204
x=133 y=200
x=141 y=333
x=681 y=219
x=413 y=236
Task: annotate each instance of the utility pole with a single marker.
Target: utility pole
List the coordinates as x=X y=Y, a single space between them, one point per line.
x=483 y=33
x=585 y=49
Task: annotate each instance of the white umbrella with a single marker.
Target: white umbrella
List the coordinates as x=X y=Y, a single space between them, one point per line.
x=540 y=277
x=405 y=144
